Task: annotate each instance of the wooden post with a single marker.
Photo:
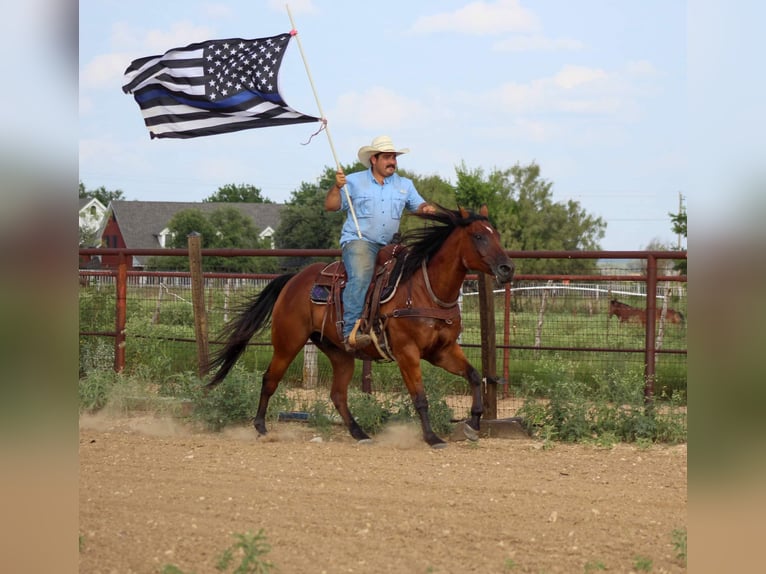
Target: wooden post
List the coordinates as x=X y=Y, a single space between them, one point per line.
x=367 y=377
x=198 y=301
x=488 y=345
x=310 y=368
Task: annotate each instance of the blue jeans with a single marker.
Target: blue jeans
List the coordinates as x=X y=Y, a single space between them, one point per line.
x=359 y=259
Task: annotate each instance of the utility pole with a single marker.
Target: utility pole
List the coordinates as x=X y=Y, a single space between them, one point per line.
x=680 y=211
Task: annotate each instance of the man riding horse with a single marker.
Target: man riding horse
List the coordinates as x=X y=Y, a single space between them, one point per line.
x=374 y=201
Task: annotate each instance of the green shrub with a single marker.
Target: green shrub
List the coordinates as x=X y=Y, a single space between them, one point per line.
x=610 y=407
x=234 y=401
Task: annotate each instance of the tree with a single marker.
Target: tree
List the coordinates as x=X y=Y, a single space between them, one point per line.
x=679 y=228
x=522 y=209
x=88 y=237
x=242 y=193
x=102 y=194
x=304 y=223
x=434 y=190
x=225 y=227
x=664 y=266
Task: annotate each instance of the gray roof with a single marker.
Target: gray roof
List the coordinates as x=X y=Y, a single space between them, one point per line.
x=142 y=221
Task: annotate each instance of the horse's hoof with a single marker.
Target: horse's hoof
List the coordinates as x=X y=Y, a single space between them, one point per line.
x=364 y=441
x=439 y=445
x=470 y=433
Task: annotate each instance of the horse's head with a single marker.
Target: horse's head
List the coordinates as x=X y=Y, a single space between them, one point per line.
x=468 y=236
x=483 y=250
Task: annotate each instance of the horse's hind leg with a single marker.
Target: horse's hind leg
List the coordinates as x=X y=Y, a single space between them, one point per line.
x=342 y=372
x=274 y=372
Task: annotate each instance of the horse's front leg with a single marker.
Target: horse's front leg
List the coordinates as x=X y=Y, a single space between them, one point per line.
x=413 y=379
x=452 y=359
x=472 y=426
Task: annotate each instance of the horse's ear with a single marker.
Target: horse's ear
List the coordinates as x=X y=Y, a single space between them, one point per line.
x=483 y=211
x=464 y=212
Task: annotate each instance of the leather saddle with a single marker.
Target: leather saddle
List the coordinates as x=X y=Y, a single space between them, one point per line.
x=331 y=280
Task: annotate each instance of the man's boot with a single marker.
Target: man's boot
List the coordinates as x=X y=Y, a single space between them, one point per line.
x=356 y=340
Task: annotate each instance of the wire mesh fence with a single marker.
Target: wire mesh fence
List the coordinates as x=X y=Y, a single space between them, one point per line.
x=543 y=325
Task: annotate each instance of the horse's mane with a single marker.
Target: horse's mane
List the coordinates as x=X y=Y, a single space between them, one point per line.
x=424 y=242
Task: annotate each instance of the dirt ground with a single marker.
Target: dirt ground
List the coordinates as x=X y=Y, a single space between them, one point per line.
x=154 y=492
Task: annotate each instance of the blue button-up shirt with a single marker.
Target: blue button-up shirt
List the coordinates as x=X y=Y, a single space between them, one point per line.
x=378 y=207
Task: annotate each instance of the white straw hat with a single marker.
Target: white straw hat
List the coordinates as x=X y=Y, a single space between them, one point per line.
x=381 y=144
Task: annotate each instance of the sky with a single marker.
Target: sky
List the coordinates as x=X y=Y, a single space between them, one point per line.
x=593 y=91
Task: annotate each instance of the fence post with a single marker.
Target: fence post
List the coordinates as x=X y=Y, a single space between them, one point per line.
x=650 y=356
x=488 y=345
x=121 y=312
x=367 y=377
x=506 y=340
x=310 y=366
x=198 y=301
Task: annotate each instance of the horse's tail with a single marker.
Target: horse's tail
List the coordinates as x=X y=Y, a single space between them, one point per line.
x=254 y=318
x=681 y=316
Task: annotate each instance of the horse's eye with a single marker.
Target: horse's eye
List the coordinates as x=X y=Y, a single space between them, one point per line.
x=478 y=236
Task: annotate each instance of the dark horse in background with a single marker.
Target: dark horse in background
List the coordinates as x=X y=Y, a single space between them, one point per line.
x=627 y=313
x=420 y=321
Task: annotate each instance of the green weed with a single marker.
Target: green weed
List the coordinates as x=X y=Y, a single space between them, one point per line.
x=251 y=550
x=643 y=564
x=593 y=566
x=679 y=544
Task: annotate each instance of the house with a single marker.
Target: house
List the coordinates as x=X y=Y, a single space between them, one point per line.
x=144 y=224
x=91 y=215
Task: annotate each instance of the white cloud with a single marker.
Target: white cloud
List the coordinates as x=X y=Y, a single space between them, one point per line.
x=480 y=18
x=104 y=71
x=534 y=130
x=641 y=68
x=537 y=43
x=573 y=91
x=574 y=76
x=378 y=108
x=180 y=34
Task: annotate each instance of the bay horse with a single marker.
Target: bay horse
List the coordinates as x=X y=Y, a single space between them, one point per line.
x=627 y=313
x=420 y=321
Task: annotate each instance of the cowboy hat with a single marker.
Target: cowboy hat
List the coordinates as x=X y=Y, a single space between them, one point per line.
x=381 y=144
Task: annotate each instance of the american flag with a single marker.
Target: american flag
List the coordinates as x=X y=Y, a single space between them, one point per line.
x=212 y=87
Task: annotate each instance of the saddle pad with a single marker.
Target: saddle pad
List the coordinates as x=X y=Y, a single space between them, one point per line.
x=320 y=294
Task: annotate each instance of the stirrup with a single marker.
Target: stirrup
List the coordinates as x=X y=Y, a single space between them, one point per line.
x=356 y=340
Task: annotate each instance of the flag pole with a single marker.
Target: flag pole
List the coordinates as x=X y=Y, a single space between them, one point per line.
x=294 y=32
